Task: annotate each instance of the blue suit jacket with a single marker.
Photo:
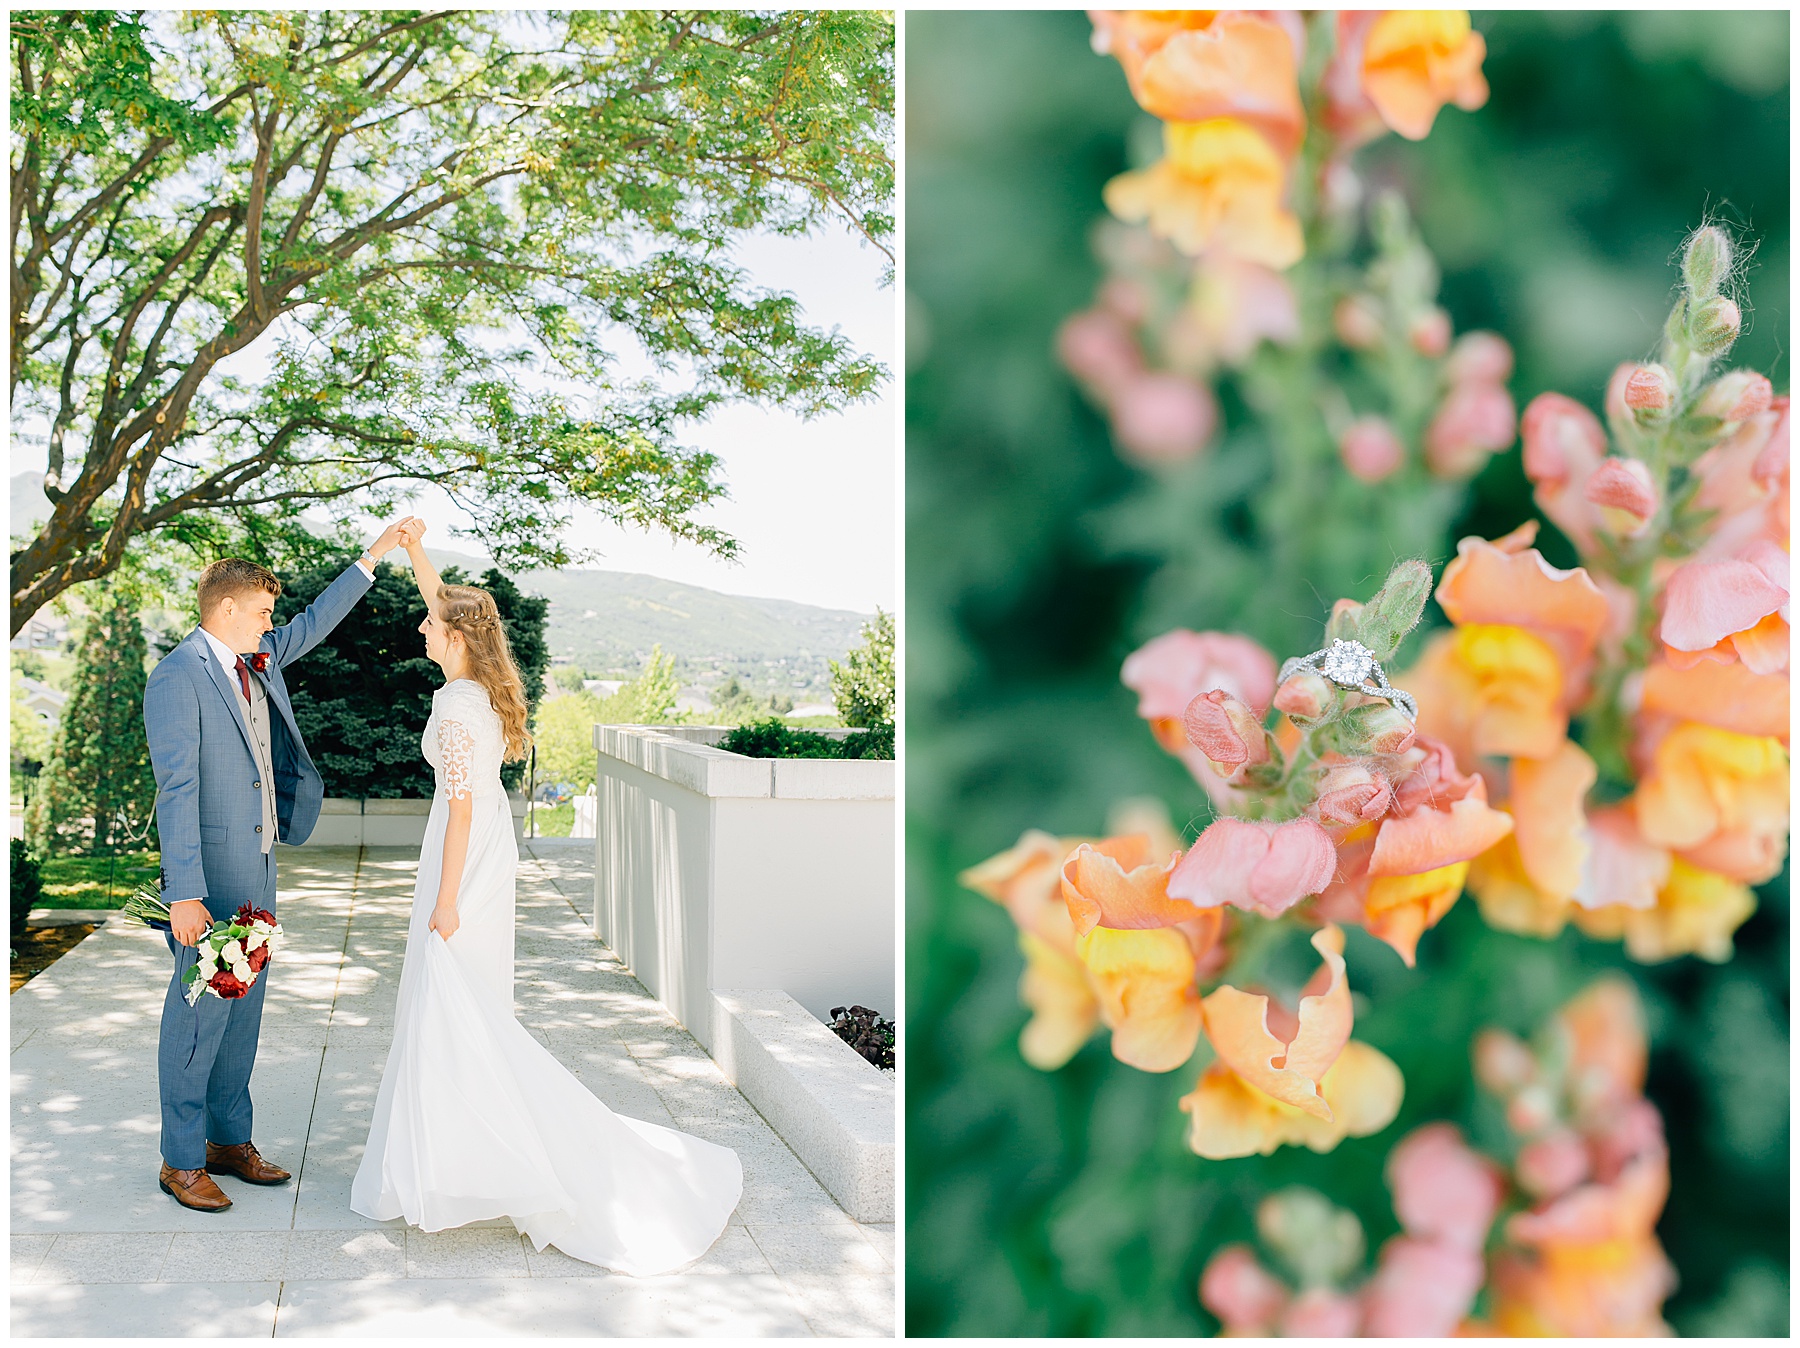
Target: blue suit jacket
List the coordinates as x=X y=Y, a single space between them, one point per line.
x=208 y=799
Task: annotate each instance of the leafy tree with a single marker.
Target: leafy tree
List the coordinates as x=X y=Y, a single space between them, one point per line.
x=97 y=790
x=30 y=735
x=416 y=209
x=363 y=695
x=27 y=885
x=863 y=686
x=564 y=731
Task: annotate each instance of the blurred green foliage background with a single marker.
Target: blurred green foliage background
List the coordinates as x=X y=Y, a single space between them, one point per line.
x=1067 y=1203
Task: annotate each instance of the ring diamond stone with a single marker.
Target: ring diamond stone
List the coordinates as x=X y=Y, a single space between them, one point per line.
x=1348 y=663
x=1352 y=665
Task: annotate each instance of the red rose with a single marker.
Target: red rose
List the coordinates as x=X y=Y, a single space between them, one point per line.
x=257 y=958
x=260 y=662
x=228 y=984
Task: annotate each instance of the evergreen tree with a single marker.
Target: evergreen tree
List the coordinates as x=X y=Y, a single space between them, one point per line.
x=863 y=686
x=97 y=791
x=362 y=696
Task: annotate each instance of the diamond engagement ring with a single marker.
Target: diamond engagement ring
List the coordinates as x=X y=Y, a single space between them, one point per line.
x=1352 y=665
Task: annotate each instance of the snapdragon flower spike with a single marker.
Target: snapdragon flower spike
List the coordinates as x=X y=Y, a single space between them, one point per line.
x=1626 y=494
x=1257 y=865
x=1228 y=732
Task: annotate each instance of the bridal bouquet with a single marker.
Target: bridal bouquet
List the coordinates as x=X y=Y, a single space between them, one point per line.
x=233 y=952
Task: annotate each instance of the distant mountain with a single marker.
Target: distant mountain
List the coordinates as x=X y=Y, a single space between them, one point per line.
x=608 y=621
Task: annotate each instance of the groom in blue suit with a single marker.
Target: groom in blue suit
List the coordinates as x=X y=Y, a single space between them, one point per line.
x=232 y=778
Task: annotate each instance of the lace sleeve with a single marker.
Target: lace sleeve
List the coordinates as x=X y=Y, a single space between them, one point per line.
x=456 y=747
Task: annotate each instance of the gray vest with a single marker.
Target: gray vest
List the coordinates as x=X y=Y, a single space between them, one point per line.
x=256 y=716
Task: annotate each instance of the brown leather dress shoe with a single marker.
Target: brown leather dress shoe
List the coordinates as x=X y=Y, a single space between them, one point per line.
x=192 y=1189
x=244 y=1162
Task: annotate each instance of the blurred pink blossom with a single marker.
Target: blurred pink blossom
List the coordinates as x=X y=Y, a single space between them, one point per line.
x=1476 y=419
x=1098 y=349
x=1551 y=1165
x=1429 y=332
x=1480 y=357
x=1422 y=1290
x=1241 y=1292
x=1370 y=449
x=1443 y=1190
x=1625 y=486
x=1321 y=1313
x=1163 y=418
x=1564 y=445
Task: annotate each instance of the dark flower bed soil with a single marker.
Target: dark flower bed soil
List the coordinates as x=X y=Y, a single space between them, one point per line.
x=866 y=1032
x=39 y=947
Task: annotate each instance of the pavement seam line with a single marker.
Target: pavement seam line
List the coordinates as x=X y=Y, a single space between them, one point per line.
x=313 y=1113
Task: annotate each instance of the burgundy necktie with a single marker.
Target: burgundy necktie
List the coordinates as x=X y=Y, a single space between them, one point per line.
x=243 y=671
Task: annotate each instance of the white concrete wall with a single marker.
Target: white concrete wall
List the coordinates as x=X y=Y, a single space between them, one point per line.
x=713 y=871
x=384 y=823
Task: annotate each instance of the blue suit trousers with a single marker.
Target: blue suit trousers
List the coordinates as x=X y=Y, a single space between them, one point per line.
x=207 y=1051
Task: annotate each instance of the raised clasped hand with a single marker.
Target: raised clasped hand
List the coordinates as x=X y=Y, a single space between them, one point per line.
x=394 y=535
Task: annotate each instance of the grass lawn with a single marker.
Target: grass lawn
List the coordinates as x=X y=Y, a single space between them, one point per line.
x=553 y=822
x=82 y=882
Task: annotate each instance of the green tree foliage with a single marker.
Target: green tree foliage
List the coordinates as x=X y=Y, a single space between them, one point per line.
x=30 y=735
x=863 y=686
x=564 y=731
x=97 y=791
x=1067 y=1203
x=413 y=207
x=362 y=696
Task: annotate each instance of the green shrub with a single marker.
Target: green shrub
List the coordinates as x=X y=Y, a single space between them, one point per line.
x=863 y=686
x=363 y=695
x=25 y=885
x=771 y=739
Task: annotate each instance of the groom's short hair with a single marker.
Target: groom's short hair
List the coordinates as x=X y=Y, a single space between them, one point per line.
x=233 y=576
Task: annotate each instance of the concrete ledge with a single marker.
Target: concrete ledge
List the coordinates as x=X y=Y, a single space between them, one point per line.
x=385 y=823
x=834 y=1109
x=69 y=917
x=685 y=756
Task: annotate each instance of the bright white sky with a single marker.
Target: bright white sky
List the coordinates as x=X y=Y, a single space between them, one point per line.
x=812 y=503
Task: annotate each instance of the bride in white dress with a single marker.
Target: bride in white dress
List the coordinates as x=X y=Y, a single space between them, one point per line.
x=475 y=1119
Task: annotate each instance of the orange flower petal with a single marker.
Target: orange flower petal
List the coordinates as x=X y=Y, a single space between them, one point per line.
x=1064 y=1010
x=1696 y=913
x=1240 y=66
x=1607 y=1036
x=1118 y=882
x=1402 y=908
x=1488 y=584
x=1144 y=981
x=1026 y=880
x=1729 y=696
x=1548 y=795
x=1415 y=61
x=1230 y=1118
x=1508 y=899
x=1237 y=1024
x=1704 y=780
x=1427 y=840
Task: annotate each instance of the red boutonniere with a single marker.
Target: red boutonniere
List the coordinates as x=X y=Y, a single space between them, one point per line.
x=259 y=662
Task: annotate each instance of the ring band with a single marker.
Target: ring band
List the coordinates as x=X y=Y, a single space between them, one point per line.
x=1353 y=666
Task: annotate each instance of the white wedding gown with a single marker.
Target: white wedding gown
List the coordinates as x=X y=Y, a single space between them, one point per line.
x=475 y=1119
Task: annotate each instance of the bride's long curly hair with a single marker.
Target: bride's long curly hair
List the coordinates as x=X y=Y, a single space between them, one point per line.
x=471 y=611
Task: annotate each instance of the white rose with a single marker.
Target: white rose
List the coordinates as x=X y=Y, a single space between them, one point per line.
x=233 y=953
x=257 y=937
x=244 y=975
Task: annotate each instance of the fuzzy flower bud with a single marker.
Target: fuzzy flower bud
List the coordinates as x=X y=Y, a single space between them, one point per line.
x=1429 y=332
x=1357 y=320
x=1370 y=449
x=1228 y=732
x=1706 y=262
x=1305 y=697
x=1376 y=728
x=1714 y=326
x=1737 y=396
x=1622 y=488
x=1480 y=358
x=1319 y=1241
x=1650 y=392
x=1352 y=793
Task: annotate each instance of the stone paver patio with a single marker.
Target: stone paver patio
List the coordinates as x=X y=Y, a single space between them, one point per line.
x=98 y=1250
